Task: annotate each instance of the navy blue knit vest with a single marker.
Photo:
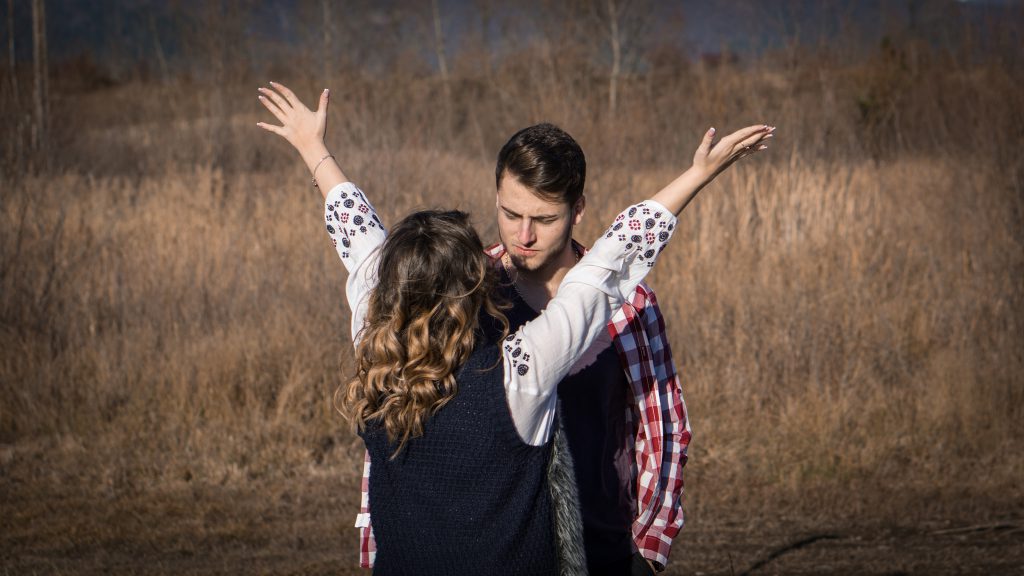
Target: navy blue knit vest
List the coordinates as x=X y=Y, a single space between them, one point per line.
x=593 y=406
x=469 y=496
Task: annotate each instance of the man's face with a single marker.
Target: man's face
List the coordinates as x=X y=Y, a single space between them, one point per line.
x=534 y=231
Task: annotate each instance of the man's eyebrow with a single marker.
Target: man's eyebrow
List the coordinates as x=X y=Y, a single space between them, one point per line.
x=538 y=217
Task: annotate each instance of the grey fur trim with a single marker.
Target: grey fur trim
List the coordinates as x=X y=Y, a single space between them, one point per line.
x=565 y=507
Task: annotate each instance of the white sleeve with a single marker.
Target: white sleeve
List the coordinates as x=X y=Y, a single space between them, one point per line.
x=357 y=234
x=542 y=351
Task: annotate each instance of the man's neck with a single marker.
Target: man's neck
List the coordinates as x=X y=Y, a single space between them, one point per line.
x=538 y=287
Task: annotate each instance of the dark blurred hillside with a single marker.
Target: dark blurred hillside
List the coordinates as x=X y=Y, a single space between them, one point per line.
x=126 y=38
x=488 y=68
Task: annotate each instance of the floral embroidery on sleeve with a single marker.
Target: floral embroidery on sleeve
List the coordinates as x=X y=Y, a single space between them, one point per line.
x=352 y=223
x=514 y=350
x=636 y=228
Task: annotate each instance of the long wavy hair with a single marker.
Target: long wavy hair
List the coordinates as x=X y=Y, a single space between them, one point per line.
x=422 y=323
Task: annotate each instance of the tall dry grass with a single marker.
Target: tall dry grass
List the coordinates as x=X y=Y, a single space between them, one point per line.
x=846 y=309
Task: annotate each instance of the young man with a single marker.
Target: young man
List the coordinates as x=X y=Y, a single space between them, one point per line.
x=622 y=410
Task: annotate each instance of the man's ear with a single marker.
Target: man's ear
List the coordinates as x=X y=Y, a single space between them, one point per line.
x=578 y=209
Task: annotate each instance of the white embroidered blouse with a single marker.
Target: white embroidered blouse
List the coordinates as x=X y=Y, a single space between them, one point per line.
x=542 y=352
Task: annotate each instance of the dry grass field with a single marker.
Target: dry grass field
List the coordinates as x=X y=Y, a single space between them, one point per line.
x=847 y=309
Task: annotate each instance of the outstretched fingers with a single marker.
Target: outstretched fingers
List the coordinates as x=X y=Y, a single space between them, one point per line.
x=759 y=136
x=747 y=141
x=292 y=98
x=734 y=141
x=322 y=107
x=321 y=110
x=284 y=105
x=274 y=108
x=705 y=143
x=271 y=128
x=751 y=150
x=301 y=127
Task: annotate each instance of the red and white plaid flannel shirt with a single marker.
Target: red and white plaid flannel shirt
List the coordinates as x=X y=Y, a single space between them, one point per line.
x=660 y=428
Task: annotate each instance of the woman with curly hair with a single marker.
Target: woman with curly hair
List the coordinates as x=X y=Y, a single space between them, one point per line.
x=456 y=412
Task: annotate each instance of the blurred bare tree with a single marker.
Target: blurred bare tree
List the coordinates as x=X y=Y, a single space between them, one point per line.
x=158 y=48
x=622 y=23
x=12 y=75
x=442 y=61
x=41 y=93
x=216 y=43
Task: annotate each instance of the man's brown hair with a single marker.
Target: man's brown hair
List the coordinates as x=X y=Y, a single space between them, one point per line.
x=546 y=159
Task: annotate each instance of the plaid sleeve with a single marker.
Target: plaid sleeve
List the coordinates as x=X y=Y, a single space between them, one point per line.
x=662 y=429
x=656 y=541
x=367 y=543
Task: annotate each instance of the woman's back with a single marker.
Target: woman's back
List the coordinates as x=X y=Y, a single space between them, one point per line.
x=468 y=496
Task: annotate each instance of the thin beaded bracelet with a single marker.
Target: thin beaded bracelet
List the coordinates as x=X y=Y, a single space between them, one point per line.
x=315 y=185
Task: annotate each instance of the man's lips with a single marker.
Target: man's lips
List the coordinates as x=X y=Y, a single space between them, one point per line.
x=524 y=251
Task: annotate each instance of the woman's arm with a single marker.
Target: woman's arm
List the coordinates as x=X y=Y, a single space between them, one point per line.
x=351 y=221
x=357 y=235
x=542 y=351
x=305 y=130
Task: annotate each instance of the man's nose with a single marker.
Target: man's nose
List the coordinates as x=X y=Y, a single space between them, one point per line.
x=526 y=236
